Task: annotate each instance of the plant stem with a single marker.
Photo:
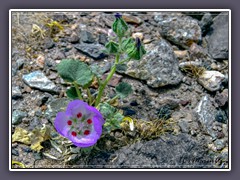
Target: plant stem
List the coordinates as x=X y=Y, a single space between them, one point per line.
x=78 y=91
x=113 y=99
x=89 y=96
x=125 y=60
x=103 y=85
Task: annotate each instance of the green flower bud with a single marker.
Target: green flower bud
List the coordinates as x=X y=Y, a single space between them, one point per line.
x=137 y=50
x=119 y=26
x=112 y=47
x=127 y=44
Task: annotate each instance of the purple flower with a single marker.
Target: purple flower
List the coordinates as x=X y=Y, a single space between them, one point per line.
x=81 y=123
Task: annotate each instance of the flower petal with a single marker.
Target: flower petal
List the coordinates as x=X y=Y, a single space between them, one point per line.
x=76 y=106
x=85 y=141
x=97 y=124
x=97 y=113
x=83 y=145
x=60 y=124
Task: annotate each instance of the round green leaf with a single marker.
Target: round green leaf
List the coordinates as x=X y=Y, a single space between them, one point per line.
x=73 y=70
x=123 y=89
x=107 y=110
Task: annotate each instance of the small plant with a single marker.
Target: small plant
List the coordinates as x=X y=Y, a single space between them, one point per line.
x=193 y=70
x=82 y=122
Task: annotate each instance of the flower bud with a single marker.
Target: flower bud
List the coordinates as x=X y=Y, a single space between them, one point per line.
x=137 y=50
x=119 y=25
x=112 y=47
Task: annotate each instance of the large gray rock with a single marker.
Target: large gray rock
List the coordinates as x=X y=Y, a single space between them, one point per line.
x=178 y=28
x=218 y=39
x=206 y=114
x=159 y=67
x=94 y=51
x=169 y=151
x=38 y=80
x=206 y=22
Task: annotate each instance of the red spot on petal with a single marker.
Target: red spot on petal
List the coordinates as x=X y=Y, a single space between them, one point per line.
x=74 y=133
x=79 y=115
x=69 y=122
x=89 y=121
x=86 y=132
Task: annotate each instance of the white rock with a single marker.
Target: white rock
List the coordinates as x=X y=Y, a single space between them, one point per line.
x=211 y=80
x=138 y=34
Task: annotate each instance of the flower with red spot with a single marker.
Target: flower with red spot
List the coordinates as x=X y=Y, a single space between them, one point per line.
x=81 y=123
x=89 y=121
x=69 y=122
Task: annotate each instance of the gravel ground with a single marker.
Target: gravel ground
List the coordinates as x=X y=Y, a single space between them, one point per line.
x=182 y=82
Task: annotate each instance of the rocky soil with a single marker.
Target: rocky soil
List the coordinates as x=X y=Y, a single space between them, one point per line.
x=182 y=81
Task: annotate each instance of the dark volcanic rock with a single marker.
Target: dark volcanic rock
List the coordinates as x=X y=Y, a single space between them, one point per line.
x=196 y=15
x=222 y=98
x=221 y=117
x=48 y=43
x=205 y=114
x=17 y=116
x=62 y=18
x=218 y=39
x=178 y=28
x=169 y=151
x=103 y=39
x=92 y=50
x=86 y=37
x=128 y=112
x=206 y=22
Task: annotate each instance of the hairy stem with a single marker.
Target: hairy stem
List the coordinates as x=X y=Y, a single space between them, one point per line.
x=103 y=85
x=113 y=99
x=90 y=98
x=125 y=60
x=78 y=91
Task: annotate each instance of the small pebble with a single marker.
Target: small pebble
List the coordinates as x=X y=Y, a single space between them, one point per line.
x=134 y=103
x=27 y=149
x=15 y=152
